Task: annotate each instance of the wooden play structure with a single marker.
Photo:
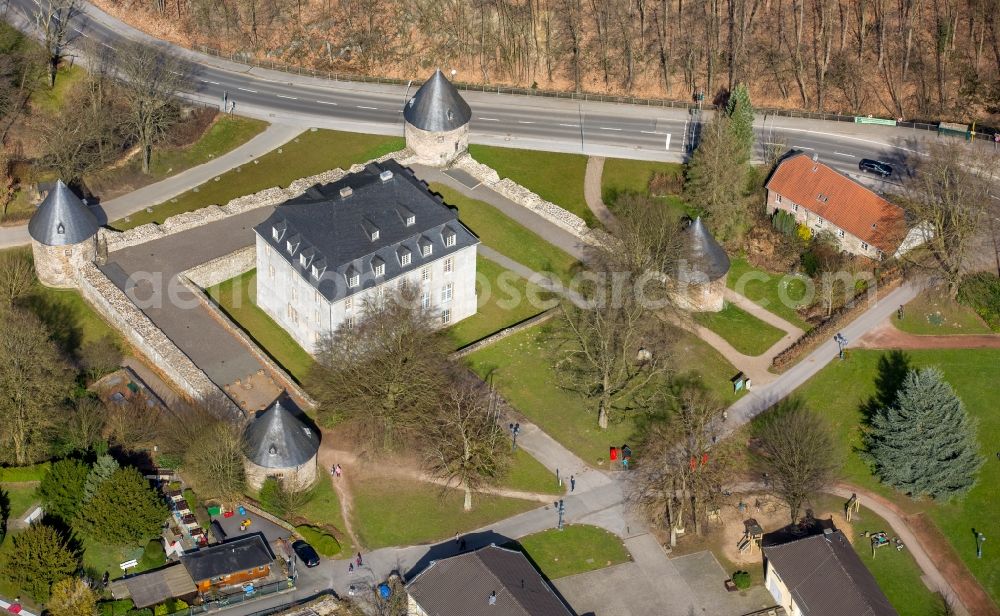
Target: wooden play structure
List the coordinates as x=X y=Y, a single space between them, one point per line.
x=851 y=507
x=752 y=535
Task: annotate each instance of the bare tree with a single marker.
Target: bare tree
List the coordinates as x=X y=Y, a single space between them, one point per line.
x=463 y=441
x=383 y=372
x=949 y=197
x=151 y=80
x=83 y=138
x=798 y=453
x=54 y=19
x=100 y=357
x=17 y=276
x=133 y=423
x=85 y=425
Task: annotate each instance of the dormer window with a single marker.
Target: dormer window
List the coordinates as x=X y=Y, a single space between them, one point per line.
x=374 y=235
x=408 y=217
x=288 y=246
x=353 y=279
x=275 y=233
x=405 y=256
x=378 y=267
x=411 y=220
x=278 y=231
x=61 y=229
x=292 y=245
x=302 y=260
x=315 y=272
x=450 y=237
x=426 y=247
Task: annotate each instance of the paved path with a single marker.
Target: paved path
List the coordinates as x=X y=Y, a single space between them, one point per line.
x=273 y=136
x=886 y=336
x=592 y=192
x=530 y=275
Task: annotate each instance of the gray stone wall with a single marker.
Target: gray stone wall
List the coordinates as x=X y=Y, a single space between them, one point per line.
x=436 y=148
x=700 y=297
x=223 y=268
x=301 y=476
x=59 y=266
x=503 y=333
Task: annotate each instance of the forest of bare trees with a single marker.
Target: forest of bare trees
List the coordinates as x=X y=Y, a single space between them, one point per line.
x=903 y=58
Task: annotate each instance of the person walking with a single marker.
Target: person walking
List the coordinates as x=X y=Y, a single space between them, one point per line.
x=572 y=483
x=359 y=561
x=232 y=107
x=350 y=567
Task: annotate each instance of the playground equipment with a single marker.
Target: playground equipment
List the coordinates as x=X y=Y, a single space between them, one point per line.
x=752 y=535
x=851 y=507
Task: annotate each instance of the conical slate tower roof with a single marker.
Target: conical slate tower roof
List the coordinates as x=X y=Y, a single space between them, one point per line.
x=62 y=219
x=704 y=254
x=437 y=106
x=278 y=439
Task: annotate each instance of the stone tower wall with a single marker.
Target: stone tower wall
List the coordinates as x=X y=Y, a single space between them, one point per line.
x=437 y=148
x=301 y=476
x=700 y=297
x=59 y=266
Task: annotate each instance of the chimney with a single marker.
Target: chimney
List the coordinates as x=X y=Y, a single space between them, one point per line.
x=346 y=192
x=493 y=598
x=385 y=176
x=815 y=157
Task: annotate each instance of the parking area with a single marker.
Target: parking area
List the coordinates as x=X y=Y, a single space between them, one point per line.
x=235 y=526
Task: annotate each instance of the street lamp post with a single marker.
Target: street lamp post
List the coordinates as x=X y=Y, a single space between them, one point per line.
x=515 y=429
x=980 y=538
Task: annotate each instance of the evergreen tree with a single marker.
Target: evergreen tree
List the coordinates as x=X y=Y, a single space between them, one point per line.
x=740 y=112
x=103 y=469
x=61 y=490
x=36 y=558
x=716 y=179
x=72 y=597
x=926 y=443
x=125 y=510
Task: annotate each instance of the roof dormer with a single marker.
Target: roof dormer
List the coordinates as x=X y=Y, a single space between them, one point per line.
x=278 y=231
x=448 y=236
x=318 y=268
x=409 y=218
x=426 y=246
x=292 y=244
x=353 y=277
x=371 y=230
x=378 y=267
x=405 y=256
x=306 y=257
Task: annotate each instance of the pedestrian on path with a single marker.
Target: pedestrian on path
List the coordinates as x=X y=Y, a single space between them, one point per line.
x=572 y=483
x=461 y=545
x=339 y=471
x=358 y=560
x=350 y=567
x=232 y=107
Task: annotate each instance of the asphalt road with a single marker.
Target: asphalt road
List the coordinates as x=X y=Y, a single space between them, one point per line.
x=607 y=129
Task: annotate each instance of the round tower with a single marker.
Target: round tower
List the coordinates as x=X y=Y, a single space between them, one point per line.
x=63 y=237
x=278 y=444
x=701 y=277
x=437 y=122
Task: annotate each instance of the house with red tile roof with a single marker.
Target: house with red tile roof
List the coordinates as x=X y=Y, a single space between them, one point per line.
x=825 y=200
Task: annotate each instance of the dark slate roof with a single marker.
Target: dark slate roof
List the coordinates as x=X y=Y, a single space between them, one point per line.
x=462 y=585
x=227 y=558
x=437 y=106
x=62 y=219
x=704 y=254
x=333 y=232
x=827 y=578
x=276 y=438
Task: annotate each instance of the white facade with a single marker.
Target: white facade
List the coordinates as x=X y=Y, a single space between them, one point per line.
x=447 y=287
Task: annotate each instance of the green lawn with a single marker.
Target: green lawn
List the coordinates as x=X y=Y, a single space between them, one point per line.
x=508 y=237
x=933 y=312
x=312 y=152
x=237 y=297
x=72 y=320
x=326 y=545
x=100 y=557
x=577 y=548
x=52 y=99
x=324 y=508
x=840 y=390
x=553 y=176
x=390 y=512
x=20 y=498
x=632 y=176
x=693 y=357
x=502 y=303
x=748 y=334
x=15 y=474
x=528 y=475
x=780 y=293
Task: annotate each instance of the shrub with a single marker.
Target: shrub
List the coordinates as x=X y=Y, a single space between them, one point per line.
x=143 y=612
x=325 y=543
x=270 y=496
x=742 y=579
x=115 y=608
x=804 y=233
x=153 y=556
x=784 y=222
x=981 y=292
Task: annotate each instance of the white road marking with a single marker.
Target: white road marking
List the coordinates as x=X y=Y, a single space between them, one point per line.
x=847 y=155
x=524 y=122
x=247 y=90
x=363 y=107
x=490 y=119
x=572 y=125
x=802 y=147
x=108 y=46
x=215 y=83
x=326 y=102
x=607 y=128
x=291 y=98
x=652 y=132
x=879 y=143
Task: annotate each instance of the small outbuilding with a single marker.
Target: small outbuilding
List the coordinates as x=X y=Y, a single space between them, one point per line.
x=437 y=122
x=700 y=285
x=279 y=444
x=63 y=234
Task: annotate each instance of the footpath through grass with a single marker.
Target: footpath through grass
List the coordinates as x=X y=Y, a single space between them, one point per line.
x=310 y=153
x=529 y=475
x=748 y=334
x=779 y=293
x=397 y=512
x=237 y=297
x=934 y=313
x=840 y=391
x=577 y=548
x=553 y=176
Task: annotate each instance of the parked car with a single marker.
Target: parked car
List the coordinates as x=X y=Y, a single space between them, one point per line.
x=306 y=553
x=875 y=166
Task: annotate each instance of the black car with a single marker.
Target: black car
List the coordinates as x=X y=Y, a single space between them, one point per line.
x=306 y=553
x=875 y=166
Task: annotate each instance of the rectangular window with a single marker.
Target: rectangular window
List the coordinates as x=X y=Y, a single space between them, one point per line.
x=449 y=240
x=348 y=303
x=315 y=272
x=404 y=260
x=354 y=280
x=411 y=220
x=316 y=315
x=449 y=264
x=840 y=233
x=374 y=235
x=349 y=322
x=379 y=270
x=302 y=260
x=295 y=294
x=795 y=207
x=288 y=246
x=380 y=292
x=864 y=246
x=425 y=274
x=274 y=233
x=270 y=271
x=426 y=250
x=425 y=300
x=446 y=317
x=819 y=223
x=777 y=198
x=446 y=293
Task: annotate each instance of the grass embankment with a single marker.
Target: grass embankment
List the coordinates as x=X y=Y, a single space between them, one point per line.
x=577 y=548
x=748 y=334
x=389 y=512
x=312 y=152
x=842 y=390
x=553 y=176
x=504 y=300
x=934 y=313
x=781 y=294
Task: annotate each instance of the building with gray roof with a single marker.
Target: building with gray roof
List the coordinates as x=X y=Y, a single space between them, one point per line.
x=491 y=580
x=322 y=256
x=822 y=575
x=436 y=121
x=701 y=277
x=278 y=443
x=63 y=234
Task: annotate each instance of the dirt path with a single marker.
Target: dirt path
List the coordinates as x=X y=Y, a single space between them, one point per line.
x=934 y=554
x=328 y=456
x=592 y=191
x=886 y=336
